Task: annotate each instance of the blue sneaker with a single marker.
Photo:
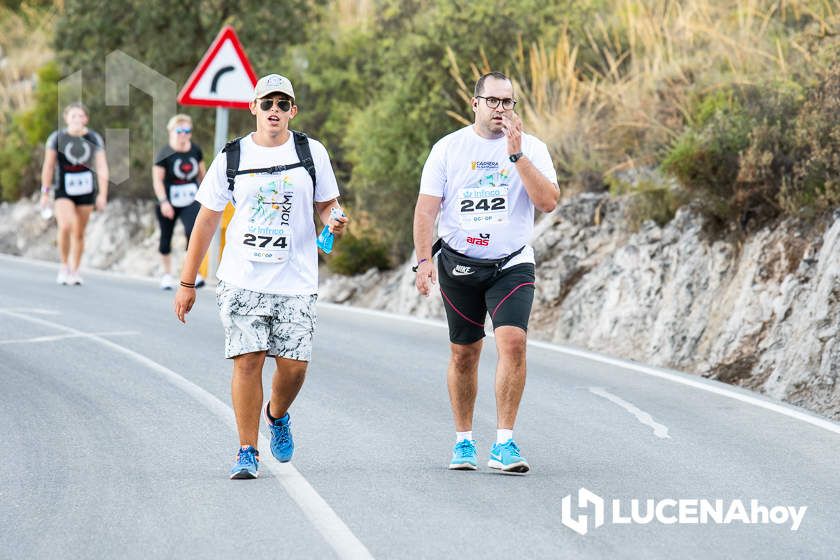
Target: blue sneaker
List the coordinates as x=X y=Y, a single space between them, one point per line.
x=247 y=463
x=282 y=444
x=463 y=456
x=506 y=457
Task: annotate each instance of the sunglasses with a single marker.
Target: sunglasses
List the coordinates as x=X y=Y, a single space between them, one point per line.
x=183 y=130
x=283 y=104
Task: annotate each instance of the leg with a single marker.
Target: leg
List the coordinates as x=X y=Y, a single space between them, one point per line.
x=510 y=374
x=65 y=217
x=188 y=216
x=78 y=236
x=286 y=384
x=462 y=381
x=247 y=394
x=165 y=246
x=465 y=311
x=510 y=299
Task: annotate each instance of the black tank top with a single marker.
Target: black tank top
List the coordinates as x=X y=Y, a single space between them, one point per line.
x=75 y=173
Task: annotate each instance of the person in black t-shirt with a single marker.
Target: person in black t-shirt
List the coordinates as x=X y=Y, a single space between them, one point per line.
x=176 y=174
x=74 y=161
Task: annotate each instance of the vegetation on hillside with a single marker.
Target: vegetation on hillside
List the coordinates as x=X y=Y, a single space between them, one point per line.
x=736 y=100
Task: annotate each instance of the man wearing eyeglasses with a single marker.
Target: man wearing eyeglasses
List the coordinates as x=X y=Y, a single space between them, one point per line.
x=268 y=276
x=484 y=180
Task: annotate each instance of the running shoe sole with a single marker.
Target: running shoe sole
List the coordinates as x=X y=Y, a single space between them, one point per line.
x=462 y=467
x=518 y=467
x=244 y=474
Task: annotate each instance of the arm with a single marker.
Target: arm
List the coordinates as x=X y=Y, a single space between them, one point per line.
x=323 y=209
x=542 y=192
x=102 y=179
x=202 y=171
x=205 y=227
x=158 y=173
x=425 y=214
x=47 y=175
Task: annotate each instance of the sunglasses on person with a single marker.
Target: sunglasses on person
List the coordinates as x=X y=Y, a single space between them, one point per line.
x=283 y=104
x=183 y=130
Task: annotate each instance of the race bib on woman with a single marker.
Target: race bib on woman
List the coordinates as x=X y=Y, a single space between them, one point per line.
x=181 y=196
x=78 y=184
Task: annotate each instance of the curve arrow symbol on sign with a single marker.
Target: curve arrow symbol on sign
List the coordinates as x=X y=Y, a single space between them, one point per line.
x=223 y=70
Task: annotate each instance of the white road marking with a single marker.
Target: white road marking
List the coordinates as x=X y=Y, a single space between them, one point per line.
x=64 y=336
x=334 y=531
x=689 y=380
x=659 y=430
x=37 y=311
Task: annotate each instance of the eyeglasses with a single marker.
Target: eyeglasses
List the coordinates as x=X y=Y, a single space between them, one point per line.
x=493 y=102
x=283 y=104
x=183 y=130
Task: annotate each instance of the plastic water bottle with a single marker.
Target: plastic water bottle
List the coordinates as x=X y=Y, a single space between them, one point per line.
x=326 y=239
x=46 y=212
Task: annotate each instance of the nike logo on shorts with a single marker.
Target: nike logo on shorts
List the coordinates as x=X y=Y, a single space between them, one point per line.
x=461 y=270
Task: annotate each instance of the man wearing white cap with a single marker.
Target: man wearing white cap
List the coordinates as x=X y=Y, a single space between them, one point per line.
x=268 y=276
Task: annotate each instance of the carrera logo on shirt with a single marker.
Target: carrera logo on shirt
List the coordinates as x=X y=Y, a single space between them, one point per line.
x=484 y=165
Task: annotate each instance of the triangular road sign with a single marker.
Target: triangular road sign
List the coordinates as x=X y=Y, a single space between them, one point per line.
x=223 y=78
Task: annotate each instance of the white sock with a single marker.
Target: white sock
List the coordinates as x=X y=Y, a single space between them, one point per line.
x=461 y=436
x=503 y=435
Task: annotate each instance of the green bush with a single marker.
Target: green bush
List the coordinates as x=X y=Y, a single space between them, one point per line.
x=738 y=151
x=815 y=177
x=20 y=145
x=354 y=255
x=705 y=158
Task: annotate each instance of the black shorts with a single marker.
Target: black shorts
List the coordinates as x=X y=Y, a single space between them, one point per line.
x=508 y=298
x=82 y=200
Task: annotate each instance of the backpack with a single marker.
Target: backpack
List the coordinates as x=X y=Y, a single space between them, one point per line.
x=301 y=148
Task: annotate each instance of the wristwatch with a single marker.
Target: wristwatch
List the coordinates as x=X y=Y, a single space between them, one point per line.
x=515 y=157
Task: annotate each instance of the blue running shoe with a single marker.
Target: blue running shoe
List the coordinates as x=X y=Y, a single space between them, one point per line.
x=506 y=457
x=282 y=445
x=247 y=464
x=463 y=456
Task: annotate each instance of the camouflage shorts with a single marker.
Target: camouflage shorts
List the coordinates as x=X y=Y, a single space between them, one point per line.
x=255 y=322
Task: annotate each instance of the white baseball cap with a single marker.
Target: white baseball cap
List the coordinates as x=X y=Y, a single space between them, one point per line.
x=273 y=83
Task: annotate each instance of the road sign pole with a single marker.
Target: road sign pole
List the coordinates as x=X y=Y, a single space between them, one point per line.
x=218 y=144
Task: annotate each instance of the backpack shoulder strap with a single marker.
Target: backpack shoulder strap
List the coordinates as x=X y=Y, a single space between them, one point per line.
x=232 y=151
x=304 y=153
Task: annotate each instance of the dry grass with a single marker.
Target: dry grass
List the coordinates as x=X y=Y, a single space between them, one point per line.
x=648 y=60
x=25 y=46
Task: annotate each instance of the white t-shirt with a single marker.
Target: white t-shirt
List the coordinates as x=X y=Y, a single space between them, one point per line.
x=486 y=212
x=270 y=241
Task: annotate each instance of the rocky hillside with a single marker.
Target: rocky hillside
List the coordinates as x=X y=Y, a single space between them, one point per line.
x=759 y=312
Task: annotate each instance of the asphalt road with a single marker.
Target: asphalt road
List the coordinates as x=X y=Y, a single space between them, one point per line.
x=118 y=437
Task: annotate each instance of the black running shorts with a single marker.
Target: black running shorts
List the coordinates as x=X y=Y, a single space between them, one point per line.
x=507 y=297
x=81 y=200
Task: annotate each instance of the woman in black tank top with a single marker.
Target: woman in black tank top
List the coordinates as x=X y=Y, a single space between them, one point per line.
x=75 y=165
x=178 y=170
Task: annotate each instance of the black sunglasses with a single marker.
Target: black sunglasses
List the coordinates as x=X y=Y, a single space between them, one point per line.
x=283 y=104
